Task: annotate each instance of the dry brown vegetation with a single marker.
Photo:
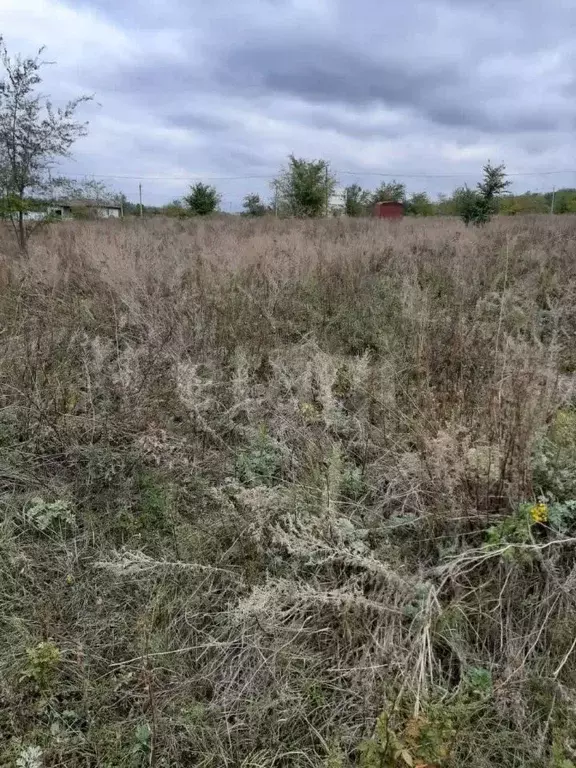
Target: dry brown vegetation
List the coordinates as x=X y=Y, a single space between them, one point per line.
x=266 y=495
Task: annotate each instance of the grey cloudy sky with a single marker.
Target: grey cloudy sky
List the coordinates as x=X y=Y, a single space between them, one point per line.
x=227 y=88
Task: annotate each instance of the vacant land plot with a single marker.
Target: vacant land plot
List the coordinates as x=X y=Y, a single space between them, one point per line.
x=289 y=494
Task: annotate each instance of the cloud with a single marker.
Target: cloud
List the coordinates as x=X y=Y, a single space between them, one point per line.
x=220 y=89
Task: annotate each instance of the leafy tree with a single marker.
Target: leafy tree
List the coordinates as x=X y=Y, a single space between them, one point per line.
x=569 y=205
x=175 y=209
x=564 y=200
x=494 y=183
x=33 y=136
x=356 y=200
x=466 y=204
x=393 y=191
x=253 y=206
x=529 y=202
x=128 y=207
x=304 y=187
x=203 y=199
x=419 y=204
x=478 y=206
x=445 y=205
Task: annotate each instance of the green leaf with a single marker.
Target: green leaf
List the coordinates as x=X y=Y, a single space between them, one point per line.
x=407 y=758
x=143 y=735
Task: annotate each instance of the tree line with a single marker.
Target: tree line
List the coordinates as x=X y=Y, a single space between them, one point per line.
x=34 y=136
x=305 y=188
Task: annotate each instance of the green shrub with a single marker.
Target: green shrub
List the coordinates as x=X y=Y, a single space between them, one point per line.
x=260 y=463
x=152 y=504
x=352 y=483
x=554 y=458
x=43 y=515
x=562 y=516
x=41 y=665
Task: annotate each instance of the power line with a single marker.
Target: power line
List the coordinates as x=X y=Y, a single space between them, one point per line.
x=447 y=175
x=382 y=174
x=168 y=178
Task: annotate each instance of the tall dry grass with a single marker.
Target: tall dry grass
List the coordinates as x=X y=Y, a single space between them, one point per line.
x=266 y=492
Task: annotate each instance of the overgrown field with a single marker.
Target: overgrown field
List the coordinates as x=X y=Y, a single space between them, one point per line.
x=285 y=493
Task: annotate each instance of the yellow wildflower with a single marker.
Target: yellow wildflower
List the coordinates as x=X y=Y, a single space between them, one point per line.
x=539 y=513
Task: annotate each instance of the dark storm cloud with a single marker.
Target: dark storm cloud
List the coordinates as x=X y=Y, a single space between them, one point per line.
x=430 y=59
x=328 y=73
x=437 y=91
x=458 y=114
x=361 y=125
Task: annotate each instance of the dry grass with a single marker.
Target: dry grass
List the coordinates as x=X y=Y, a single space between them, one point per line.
x=262 y=489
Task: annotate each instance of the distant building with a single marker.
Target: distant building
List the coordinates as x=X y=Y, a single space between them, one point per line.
x=388 y=210
x=68 y=209
x=337 y=201
x=77 y=208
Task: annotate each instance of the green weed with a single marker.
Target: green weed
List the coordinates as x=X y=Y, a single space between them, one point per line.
x=260 y=463
x=42 y=665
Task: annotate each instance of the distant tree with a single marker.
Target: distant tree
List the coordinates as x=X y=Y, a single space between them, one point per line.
x=33 y=136
x=203 y=199
x=564 y=200
x=304 y=187
x=478 y=206
x=467 y=204
x=356 y=200
x=128 y=207
x=175 y=209
x=419 y=204
x=445 y=205
x=86 y=189
x=494 y=182
x=390 y=191
x=253 y=206
x=529 y=202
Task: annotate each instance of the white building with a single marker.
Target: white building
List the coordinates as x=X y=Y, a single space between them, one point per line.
x=337 y=201
x=98 y=209
x=78 y=208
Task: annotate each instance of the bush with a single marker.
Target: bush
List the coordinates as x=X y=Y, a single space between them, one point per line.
x=42 y=515
x=202 y=200
x=555 y=458
x=478 y=206
x=260 y=463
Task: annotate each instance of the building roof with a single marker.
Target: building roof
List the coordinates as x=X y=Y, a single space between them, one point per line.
x=82 y=202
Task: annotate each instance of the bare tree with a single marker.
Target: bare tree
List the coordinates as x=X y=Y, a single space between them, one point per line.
x=33 y=136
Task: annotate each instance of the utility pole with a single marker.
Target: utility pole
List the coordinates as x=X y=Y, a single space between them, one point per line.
x=140 y=197
x=326 y=188
x=553 y=200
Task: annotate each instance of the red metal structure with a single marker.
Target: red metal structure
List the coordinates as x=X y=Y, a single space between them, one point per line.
x=389 y=210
